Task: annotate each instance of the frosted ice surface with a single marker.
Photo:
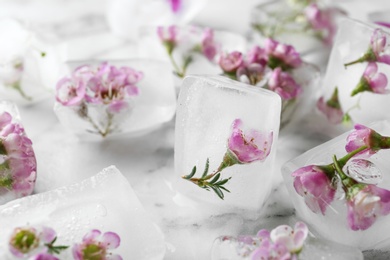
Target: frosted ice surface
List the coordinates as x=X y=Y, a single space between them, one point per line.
x=155 y=104
x=232 y=248
x=105 y=202
x=207 y=106
x=352 y=41
x=333 y=225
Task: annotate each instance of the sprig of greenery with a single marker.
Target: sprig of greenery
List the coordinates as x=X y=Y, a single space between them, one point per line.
x=209 y=182
x=52 y=249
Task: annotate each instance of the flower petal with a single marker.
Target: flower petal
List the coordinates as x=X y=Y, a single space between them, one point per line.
x=111 y=240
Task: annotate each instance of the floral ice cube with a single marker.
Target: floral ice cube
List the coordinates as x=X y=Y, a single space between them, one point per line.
x=103 y=208
x=132 y=96
x=30 y=63
x=355 y=87
x=307 y=25
x=189 y=49
x=226 y=134
x=127 y=17
x=342 y=188
x=18 y=168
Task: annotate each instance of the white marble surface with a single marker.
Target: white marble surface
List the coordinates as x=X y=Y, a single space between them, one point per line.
x=147 y=161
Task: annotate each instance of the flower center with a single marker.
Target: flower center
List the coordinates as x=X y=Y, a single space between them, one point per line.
x=25 y=240
x=94 y=252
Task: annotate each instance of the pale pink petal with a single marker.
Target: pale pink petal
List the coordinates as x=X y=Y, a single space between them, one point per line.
x=111 y=240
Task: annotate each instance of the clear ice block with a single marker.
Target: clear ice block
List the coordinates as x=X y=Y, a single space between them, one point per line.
x=353 y=41
x=333 y=225
x=105 y=202
x=126 y=17
x=153 y=106
x=238 y=248
x=208 y=106
x=290 y=22
x=188 y=39
x=30 y=63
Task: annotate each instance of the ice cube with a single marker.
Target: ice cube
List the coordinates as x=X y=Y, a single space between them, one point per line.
x=209 y=106
x=291 y=23
x=188 y=39
x=241 y=247
x=30 y=63
x=333 y=224
x=353 y=41
x=126 y=17
x=105 y=202
x=153 y=106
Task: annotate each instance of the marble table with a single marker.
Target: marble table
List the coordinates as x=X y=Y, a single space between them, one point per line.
x=147 y=161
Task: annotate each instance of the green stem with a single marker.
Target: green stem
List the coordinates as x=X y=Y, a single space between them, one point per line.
x=346 y=158
x=19 y=89
x=178 y=72
x=108 y=126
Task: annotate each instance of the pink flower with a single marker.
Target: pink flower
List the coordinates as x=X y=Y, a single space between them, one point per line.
x=18 y=170
x=283 y=242
x=378 y=44
x=168 y=36
x=281 y=55
x=314 y=185
x=366 y=205
x=322 y=20
x=209 y=47
x=230 y=62
x=97 y=245
x=256 y=55
x=331 y=108
x=29 y=241
x=335 y=115
x=69 y=92
x=251 y=74
x=175 y=5
x=364 y=136
x=371 y=81
x=251 y=146
x=284 y=84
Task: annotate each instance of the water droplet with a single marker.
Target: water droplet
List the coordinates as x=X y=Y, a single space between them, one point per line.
x=363 y=171
x=101 y=210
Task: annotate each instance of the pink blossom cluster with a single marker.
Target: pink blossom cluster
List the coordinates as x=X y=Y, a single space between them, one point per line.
x=365 y=202
x=190 y=41
x=38 y=243
x=274 y=62
x=19 y=166
x=283 y=242
x=105 y=84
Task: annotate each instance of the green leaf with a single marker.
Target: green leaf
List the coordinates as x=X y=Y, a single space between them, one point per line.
x=215 y=178
x=206 y=169
x=222 y=182
x=221 y=187
x=189 y=176
x=218 y=192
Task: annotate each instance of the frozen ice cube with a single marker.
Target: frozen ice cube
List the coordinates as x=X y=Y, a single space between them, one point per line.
x=352 y=42
x=105 y=202
x=210 y=109
x=241 y=247
x=292 y=23
x=333 y=224
x=153 y=106
x=126 y=17
x=188 y=39
x=30 y=63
